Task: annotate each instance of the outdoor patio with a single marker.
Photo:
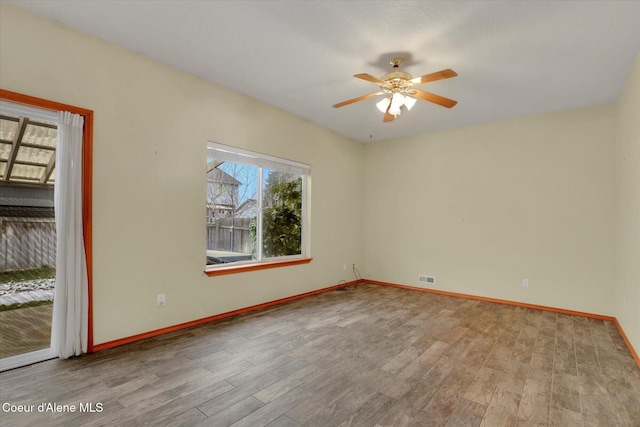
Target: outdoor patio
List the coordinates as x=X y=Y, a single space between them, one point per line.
x=25 y=329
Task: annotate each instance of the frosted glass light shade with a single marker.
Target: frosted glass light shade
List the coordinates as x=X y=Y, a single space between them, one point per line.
x=396 y=102
x=383 y=105
x=409 y=102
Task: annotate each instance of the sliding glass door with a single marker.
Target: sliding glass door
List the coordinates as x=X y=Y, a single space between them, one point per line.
x=28 y=138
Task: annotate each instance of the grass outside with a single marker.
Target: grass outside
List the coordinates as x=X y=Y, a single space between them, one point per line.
x=24 y=305
x=45 y=272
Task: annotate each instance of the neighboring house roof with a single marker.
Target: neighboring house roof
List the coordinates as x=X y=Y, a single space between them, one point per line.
x=21 y=201
x=248 y=209
x=218 y=175
x=22 y=196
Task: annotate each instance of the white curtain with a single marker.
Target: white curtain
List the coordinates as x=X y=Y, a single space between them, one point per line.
x=71 y=299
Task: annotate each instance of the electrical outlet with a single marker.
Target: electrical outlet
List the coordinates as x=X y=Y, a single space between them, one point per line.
x=161 y=300
x=525 y=283
x=344 y=267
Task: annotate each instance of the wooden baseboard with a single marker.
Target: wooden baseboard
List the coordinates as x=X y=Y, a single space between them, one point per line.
x=498 y=301
x=627 y=342
x=520 y=304
x=138 y=337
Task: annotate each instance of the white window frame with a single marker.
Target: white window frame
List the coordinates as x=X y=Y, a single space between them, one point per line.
x=226 y=153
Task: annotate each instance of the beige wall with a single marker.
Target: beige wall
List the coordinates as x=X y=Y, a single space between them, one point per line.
x=152 y=124
x=481 y=208
x=627 y=254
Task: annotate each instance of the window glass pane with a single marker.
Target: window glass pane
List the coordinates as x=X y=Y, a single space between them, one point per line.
x=255 y=206
x=281 y=213
x=232 y=193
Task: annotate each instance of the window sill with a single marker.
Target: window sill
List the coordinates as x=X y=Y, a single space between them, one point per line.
x=233 y=269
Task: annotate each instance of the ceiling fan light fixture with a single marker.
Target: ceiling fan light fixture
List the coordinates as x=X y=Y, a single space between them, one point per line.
x=383 y=105
x=397 y=100
x=409 y=102
x=398 y=89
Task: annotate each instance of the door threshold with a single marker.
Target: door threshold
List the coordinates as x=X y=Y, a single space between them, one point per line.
x=25 y=359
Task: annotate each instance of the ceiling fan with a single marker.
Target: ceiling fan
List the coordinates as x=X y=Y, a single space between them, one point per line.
x=399 y=86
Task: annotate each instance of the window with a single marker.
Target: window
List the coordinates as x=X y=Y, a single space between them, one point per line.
x=256 y=207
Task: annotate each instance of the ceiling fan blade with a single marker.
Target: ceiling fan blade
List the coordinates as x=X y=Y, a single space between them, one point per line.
x=388 y=117
x=436 y=99
x=360 y=98
x=438 y=75
x=370 y=78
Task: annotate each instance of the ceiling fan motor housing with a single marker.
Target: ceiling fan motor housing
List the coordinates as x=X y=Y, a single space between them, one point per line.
x=397 y=81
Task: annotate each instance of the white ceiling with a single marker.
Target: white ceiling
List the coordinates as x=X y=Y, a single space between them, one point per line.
x=513 y=58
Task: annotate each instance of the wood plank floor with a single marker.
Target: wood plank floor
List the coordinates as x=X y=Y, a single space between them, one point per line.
x=371 y=356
